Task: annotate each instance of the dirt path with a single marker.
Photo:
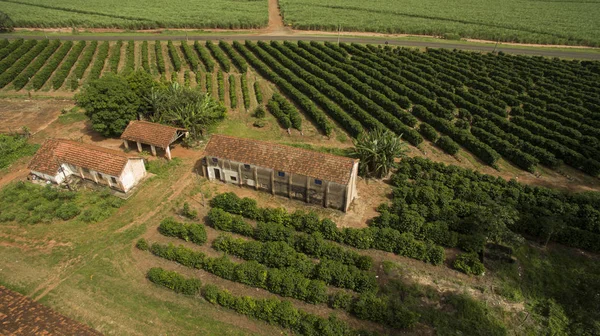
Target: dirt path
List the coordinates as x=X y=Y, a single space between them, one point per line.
x=276 y=25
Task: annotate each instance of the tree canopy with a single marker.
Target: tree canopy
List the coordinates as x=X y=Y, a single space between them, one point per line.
x=113 y=100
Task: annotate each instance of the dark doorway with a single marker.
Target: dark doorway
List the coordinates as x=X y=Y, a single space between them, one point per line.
x=217 y=174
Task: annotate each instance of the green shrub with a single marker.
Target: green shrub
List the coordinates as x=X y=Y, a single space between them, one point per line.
x=448 y=145
x=174 y=281
x=428 y=132
x=340 y=300
x=14 y=147
x=187 y=231
x=259 y=112
x=469 y=263
x=188 y=212
x=142 y=244
x=67 y=211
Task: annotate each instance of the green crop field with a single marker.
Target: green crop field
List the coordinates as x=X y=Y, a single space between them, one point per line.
x=138 y=15
x=564 y=22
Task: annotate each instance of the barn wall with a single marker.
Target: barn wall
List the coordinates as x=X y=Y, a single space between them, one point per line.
x=299 y=187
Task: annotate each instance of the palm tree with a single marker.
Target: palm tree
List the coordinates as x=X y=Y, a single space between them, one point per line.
x=197 y=116
x=377 y=151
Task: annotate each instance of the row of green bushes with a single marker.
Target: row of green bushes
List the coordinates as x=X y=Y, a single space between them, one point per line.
x=22 y=79
x=205 y=57
x=387 y=239
x=245 y=93
x=279 y=254
x=232 y=92
x=98 y=65
x=24 y=55
x=115 y=57
x=43 y=75
x=238 y=60
x=312 y=244
x=219 y=56
x=82 y=65
x=190 y=56
x=20 y=49
x=175 y=60
x=258 y=93
x=286 y=282
x=289 y=110
x=187 y=231
x=272 y=311
x=160 y=59
x=9 y=48
x=295 y=88
x=145 y=57
x=282 y=118
x=129 y=58
x=221 y=86
x=65 y=68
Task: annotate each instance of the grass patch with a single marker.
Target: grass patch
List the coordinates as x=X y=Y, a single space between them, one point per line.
x=71 y=116
x=162 y=167
x=14 y=147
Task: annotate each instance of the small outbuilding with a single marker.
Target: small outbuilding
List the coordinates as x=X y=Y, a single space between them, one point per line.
x=313 y=177
x=153 y=135
x=58 y=159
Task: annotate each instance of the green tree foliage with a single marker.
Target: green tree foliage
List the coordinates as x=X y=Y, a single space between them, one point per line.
x=13 y=147
x=110 y=103
x=377 y=151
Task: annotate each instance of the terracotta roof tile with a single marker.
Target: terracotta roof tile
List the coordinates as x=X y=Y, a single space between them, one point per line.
x=19 y=315
x=283 y=158
x=55 y=152
x=150 y=133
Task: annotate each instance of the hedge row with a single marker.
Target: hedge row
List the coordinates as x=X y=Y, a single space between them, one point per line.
x=99 y=62
x=16 y=54
x=448 y=145
x=512 y=153
x=238 y=60
x=312 y=244
x=190 y=56
x=232 y=92
x=160 y=60
x=174 y=281
x=24 y=77
x=22 y=62
x=428 y=132
x=186 y=78
x=289 y=84
x=205 y=57
x=82 y=65
x=221 y=86
x=282 y=118
x=289 y=110
x=175 y=60
x=285 y=282
x=219 y=56
x=245 y=93
x=65 y=68
x=258 y=93
x=6 y=50
x=129 y=58
x=209 y=83
x=43 y=75
x=279 y=254
x=115 y=57
x=382 y=239
x=187 y=231
x=362 y=108
x=366 y=85
x=145 y=57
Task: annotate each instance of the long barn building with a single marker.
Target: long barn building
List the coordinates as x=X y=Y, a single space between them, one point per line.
x=305 y=175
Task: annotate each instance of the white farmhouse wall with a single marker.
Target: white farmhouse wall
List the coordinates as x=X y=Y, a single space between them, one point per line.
x=133 y=172
x=55 y=179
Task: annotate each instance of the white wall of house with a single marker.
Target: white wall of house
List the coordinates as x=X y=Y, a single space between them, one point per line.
x=133 y=172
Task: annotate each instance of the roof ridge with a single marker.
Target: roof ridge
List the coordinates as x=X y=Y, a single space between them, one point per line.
x=96 y=147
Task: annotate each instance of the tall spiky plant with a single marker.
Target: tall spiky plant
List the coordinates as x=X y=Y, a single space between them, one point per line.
x=377 y=151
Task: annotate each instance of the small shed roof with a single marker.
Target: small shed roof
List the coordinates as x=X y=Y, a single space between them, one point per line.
x=55 y=152
x=150 y=133
x=288 y=159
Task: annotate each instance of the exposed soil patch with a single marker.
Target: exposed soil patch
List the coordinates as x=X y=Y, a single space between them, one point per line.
x=32 y=113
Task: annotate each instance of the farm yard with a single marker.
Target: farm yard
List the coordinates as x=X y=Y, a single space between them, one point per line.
x=477 y=231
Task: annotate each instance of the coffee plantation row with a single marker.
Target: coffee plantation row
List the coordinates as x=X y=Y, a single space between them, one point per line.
x=530 y=111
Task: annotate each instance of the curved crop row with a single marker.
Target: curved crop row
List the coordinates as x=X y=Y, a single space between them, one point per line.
x=219 y=56
x=82 y=65
x=64 y=69
x=99 y=62
x=24 y=77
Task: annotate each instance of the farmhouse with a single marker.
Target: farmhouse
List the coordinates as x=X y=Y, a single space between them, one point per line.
x=58 y=159
x=153 y=135
x=296 y=173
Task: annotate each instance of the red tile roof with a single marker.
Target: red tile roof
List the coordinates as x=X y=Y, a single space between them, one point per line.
x=287 y=159
x=19 y=315
x=150 y=133
x=55 y=152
